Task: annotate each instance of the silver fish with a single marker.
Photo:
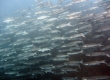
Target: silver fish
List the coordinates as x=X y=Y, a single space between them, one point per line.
x=97 y=54
x=69 y=78
x=75 y=53
x=93 y=63
x=68 y=69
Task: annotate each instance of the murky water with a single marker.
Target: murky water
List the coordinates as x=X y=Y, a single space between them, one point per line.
x=55 y=40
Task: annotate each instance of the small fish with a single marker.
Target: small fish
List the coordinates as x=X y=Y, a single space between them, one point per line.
x=77 y=35
x=8 y=20
x=59 y=66
x=102 y=77
x=69 y=78
x=64 y=50
x=105 y=48
x=71 y=32
x=47 y=70
x=20 y=74
x=68 y=69
x=93 y=63
x=44 y=49
x=64 y=25
x=89 y=78
x=103 y=29
x=47 y=66
x=74 y=43
x=60 y=59
x=97 y=54
x=42 y=17
x=73 y=64
x=84 y=28
x=44 y=54
x=57 y=38
x=98 y=36
x=11 y=72
x=91 y=45
x=54 y=31
x=75 y=53
x=7 y=65
x=62 y=55
x=52 y=20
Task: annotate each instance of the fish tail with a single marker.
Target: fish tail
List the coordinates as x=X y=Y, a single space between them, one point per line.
x=104 y=61
x=108 y=55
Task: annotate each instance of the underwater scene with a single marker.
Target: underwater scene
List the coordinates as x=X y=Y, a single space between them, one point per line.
x=54 y=39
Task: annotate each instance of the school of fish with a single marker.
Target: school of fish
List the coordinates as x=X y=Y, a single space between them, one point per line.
x=69 y=40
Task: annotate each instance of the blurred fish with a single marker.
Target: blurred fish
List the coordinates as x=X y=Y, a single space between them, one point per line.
x=74 y=43
x=94 y=63
x=105 y=48
x=60 y=59
x=68 y=70
x=11 y=72
x=89 y=78
x=47 y=66
x=69 y=78
x=97 y=54
x=91 y=45
x=75 y=52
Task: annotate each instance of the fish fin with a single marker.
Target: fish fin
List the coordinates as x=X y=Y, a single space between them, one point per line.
x=82 y=35
x=69 y=24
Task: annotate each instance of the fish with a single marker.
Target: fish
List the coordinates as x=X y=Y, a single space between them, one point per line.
x=11 y=72
x=89 y=78
x=75 y=53
x=68 y=69
x=7 y=65
x=98 y=36
x=105 y=48
x=84 y=28
x=8 y=20
x=52 y=19
x=107 y=28
x=92 y=45
x=44 y=49
x=94 y=63
x=44 y=54
x=69 y=78
x=74 y=43
x=20 y=74
x=97 y=54
x=60 y=59
x=102 y=77
x=48 y=70
x=73 y=63
x=64 y=25
x=62 y=55
x=77 y=35
x=47 y=66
